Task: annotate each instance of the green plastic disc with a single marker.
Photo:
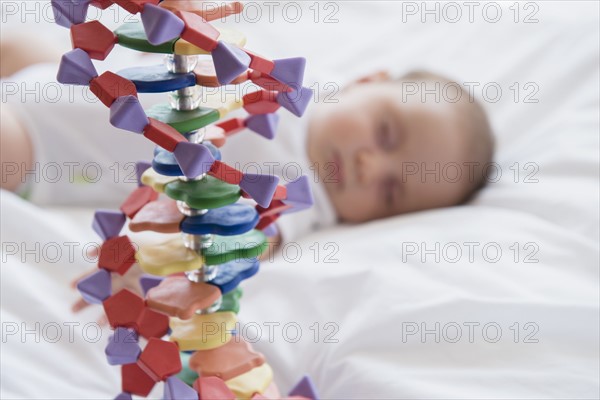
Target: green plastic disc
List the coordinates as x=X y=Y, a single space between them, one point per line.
x=229 y=248
x=231 y=301
x=207 y=193
x=184 y=121
x=132 y=36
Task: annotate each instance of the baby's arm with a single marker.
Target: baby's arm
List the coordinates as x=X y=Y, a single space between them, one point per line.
x=16 y=151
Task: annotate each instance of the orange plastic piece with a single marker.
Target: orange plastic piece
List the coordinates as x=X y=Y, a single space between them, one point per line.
x=206 y=75
x=205 y=9
x=261 y=102
x=117 y=254
x=137 y=200
x=280 y=193
x=260 y=63
x=161 y=216
x=108 y=87
x=123 y=309
x=163 y=135
x=216 y=135
x=198 y=32
x=225 y=173
x=213 y=388
x=135 y=380
x=228 y=361
x=93 y=38
x=179 y=297
x=160 y=359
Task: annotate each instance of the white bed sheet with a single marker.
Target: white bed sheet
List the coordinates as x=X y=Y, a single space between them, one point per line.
x=371 y=294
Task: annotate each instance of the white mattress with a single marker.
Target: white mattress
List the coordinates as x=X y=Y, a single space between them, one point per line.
x=377 y=291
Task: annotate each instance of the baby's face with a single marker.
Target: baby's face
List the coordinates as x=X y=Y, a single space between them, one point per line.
x=377 y=153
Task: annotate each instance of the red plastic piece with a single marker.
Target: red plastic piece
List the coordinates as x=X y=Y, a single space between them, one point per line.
x=261 y=102
x=117 y=254
x=213 y=388
x=232 y=125
x=123 y=309
x=208 y=11
x=134 y=6
x=260 y=63
x=102 y=4
x=160 y=359
x=163 y=135
x=135 y=380
x=225 y=173
x=276 y=207
x=198 y=31
x=93 y=38
x=267 y=82
x=152 y=324
x=137 y=200
x=108 y=87
x=266 y=221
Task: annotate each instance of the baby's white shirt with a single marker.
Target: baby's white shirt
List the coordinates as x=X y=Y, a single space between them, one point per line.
x=82 y=160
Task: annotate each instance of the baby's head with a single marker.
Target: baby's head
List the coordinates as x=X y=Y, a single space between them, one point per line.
x=384 y=150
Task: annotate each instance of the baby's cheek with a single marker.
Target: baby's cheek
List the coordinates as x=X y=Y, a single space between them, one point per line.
x=357 y=206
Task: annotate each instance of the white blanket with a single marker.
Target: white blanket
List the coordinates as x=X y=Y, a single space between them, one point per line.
x=522 y=293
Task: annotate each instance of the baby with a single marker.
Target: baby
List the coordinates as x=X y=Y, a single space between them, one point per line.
x=386 y=149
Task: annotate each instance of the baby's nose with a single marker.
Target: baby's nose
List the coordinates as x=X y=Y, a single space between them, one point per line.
x=367 y=166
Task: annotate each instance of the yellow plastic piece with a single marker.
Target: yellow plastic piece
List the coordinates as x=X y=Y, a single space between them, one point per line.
x=257 y=380
x=168 y=258
x=185 y=48
x=156 y=181
x=203 y=332
x=222 y=101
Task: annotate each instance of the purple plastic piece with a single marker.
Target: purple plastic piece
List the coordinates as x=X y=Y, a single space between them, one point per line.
x=123 y=396
x=296 y=101
x=140 y=168
x=122 y=347
x=76 y=68
x=289 y=71
x=96 y=288
x=271 y=230
x=127 y=113
x=149 y=281
x=229 y=62
x=260 y=187
x=69 y=12
x=305 y=388
x=108 y=223
x=176 y=389
x=299 y=195
x=160 y=24
x=263 y=124
x=193 y=158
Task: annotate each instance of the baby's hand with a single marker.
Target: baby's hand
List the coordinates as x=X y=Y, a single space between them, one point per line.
x=131 y=281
